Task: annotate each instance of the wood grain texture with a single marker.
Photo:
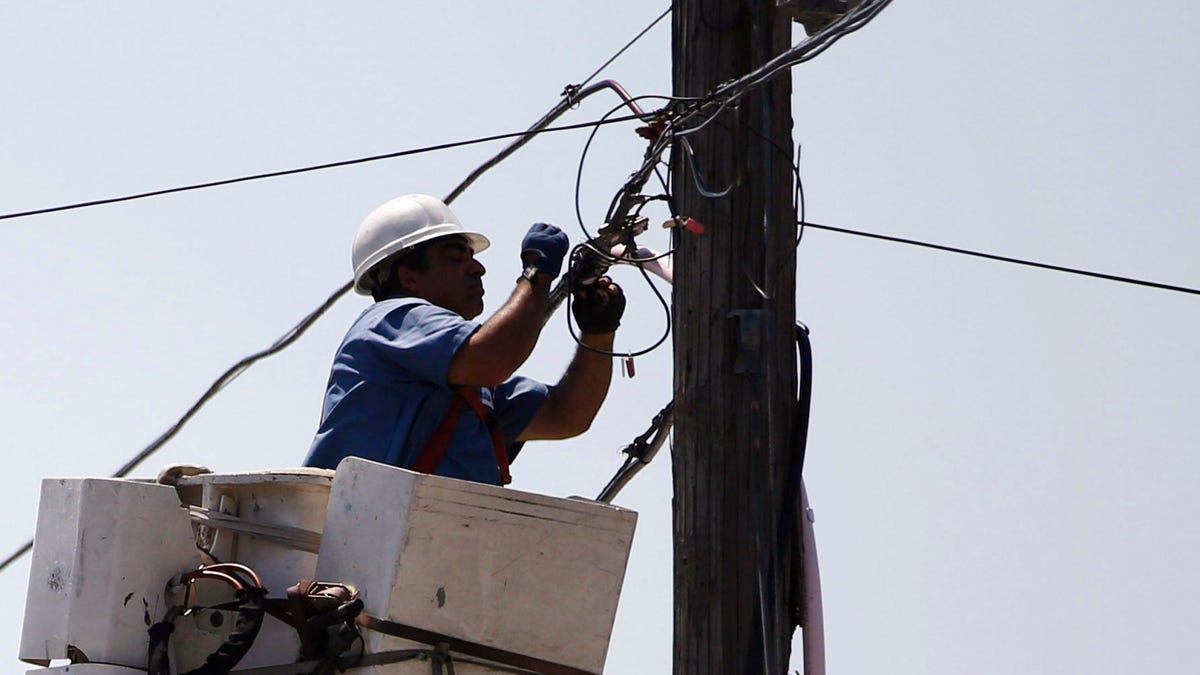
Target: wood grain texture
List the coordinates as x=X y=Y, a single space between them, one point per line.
x=732 y=428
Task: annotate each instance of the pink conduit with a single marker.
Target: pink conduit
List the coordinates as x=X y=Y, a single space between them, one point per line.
x=814 y=619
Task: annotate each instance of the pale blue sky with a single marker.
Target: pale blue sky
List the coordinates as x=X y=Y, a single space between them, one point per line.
x=1003 y=461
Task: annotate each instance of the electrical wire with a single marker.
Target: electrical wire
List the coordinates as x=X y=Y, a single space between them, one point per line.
x=1007 y=259
x=806 y=50
x=627 y=354
x=315 y=167
x=568 y=102
x=651 y=159
x=587 y=147
x=220 y=383
x=620 y=51
x=232 y=374
x=804 y=223
x=730 y=92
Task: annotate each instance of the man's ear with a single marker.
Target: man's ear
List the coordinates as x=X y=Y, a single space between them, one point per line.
x=407 y=277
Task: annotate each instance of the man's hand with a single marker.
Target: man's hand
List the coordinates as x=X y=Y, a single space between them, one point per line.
x=544 y=247
x=598 y=306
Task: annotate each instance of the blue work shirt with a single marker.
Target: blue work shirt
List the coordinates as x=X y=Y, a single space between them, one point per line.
x=387 y=393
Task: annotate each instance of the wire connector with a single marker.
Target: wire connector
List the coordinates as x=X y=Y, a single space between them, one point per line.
x=688 y=223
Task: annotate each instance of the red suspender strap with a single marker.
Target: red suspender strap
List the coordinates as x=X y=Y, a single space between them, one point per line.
x=437 y=445
x=439 y=442
x=471 y=396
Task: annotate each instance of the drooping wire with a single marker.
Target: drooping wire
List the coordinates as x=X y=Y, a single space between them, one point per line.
x=690 y=155
x=583 y=160
x=730 y=92
x=232 y=374
x=798 y=201
x=1007 y=259
x=808 y=49
x=629 y=354
x=572 y=98
x=652 y=157
x=804 y=223
x=662 y=112
x=620 y=51
x=554 y=113
x=307 y=169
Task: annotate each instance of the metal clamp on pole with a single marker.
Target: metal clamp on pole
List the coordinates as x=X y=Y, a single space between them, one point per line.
x=749 y=334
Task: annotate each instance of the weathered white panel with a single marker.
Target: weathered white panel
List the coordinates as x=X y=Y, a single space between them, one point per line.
x=522 y=572
x=274 y=526
x=103 y=552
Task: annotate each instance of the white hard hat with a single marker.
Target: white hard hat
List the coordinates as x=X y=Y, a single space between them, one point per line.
x=402 y=223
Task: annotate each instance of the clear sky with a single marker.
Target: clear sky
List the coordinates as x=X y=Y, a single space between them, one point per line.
x=1003 y=461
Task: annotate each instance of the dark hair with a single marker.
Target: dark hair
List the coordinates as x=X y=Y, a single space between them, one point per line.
x=385 y=283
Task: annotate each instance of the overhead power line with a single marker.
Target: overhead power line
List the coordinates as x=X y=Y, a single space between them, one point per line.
x=620 y=51
x=315 y=167
x=570 y=92
x=1001 y=258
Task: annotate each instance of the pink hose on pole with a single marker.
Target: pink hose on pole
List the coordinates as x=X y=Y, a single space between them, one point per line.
x=814 y=619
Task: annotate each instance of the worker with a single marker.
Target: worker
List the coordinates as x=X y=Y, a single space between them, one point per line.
x=418 y=383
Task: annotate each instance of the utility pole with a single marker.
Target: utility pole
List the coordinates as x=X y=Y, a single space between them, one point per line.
x=735 y=364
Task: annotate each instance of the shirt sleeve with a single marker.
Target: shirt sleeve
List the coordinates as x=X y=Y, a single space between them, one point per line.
x=515 y=403
x=421 y=338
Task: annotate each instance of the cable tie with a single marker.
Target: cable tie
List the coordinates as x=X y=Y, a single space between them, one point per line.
x=571 y=92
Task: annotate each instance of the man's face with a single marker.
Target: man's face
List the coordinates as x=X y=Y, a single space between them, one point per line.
x=453 y=280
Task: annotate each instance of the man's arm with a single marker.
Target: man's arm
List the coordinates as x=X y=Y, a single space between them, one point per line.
x=575 y=400
x=494 y=352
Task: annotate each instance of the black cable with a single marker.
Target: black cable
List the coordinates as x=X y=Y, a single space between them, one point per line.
x=652 y=156
x=571 y=99
x=1017 y=261
x=803 y=409
x=306 y=169
x=787 y=537
x=220 y=383
x=732 y=91
x=690 y=155
x=628 y=354
x=232 y=374
x=798 y=201
x=587 y=146
x=16 y=555
x=621 y=51
x=583 y=158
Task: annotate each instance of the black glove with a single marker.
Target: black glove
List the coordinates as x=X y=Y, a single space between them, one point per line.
x=598 y=306
x=544 y=247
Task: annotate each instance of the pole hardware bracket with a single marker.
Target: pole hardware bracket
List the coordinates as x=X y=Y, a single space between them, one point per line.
x=749 y=339
x=815 y=15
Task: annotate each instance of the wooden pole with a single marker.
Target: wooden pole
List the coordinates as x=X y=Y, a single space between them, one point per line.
x=735 y=366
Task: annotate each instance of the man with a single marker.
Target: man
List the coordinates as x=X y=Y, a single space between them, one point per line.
x=417 y=383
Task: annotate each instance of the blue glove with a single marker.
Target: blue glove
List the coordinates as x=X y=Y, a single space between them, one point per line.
x=544 y=247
